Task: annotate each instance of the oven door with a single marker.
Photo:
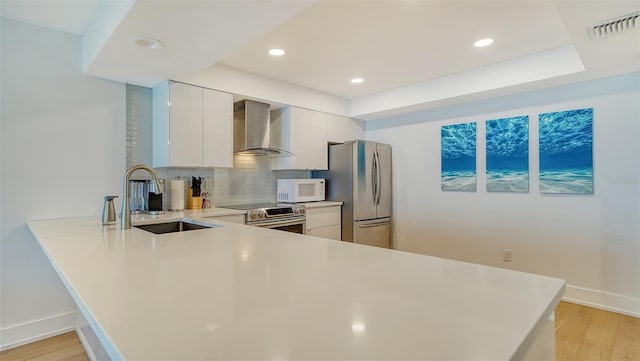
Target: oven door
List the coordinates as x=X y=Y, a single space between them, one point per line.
x=298 y=225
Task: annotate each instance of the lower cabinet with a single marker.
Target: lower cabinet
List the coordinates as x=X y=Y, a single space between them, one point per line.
x=232 y=218
x=331 y=232
x=324 y=222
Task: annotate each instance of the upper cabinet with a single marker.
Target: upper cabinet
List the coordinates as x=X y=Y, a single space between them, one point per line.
x=341 y=129
x=302 y=132
x=217 y=129
x=192 y=126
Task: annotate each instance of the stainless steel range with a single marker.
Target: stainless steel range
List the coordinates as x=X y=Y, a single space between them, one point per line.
x=284 y=217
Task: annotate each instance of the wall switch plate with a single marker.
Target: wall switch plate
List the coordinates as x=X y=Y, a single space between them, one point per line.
x=506 y=255
x=208 y=183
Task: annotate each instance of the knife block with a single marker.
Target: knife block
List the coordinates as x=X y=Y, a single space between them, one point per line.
x=193 y=202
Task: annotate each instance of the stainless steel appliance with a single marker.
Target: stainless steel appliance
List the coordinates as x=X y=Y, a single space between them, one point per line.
x=290 y=217
x=359 y=175
x=251 y=129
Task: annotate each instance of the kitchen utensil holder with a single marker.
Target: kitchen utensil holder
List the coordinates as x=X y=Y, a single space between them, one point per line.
x=193 y=202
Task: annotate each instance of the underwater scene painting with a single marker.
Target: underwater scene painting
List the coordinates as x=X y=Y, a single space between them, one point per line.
x=508 y=154
x=458 y=153
x=566 y=152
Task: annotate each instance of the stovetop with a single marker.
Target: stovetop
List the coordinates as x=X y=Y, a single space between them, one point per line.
x=245 y=207
x=261 y=211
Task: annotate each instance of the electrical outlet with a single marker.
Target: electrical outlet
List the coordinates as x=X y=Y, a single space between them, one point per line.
x=506 y=255
x=208 y=183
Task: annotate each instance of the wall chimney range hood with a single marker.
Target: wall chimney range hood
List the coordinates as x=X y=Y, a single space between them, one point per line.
x=252 y=129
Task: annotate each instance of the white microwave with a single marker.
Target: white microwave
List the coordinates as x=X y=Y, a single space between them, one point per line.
x=300 y=190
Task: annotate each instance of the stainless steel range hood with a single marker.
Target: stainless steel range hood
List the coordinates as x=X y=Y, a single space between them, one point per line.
x=252 y=129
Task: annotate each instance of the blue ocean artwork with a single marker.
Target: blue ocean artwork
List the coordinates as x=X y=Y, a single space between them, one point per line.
x=458 y=153
x=508 y=154
x=566 y=152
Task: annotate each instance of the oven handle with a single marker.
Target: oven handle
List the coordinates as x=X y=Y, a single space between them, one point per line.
x=271 y=224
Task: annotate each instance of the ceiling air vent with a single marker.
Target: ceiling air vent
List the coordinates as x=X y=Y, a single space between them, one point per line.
x=615 y=26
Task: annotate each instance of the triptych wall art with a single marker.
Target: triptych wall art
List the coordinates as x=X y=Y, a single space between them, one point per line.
x=566 y=154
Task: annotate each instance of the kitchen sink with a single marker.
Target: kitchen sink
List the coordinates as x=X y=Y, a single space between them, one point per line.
x=171 y=227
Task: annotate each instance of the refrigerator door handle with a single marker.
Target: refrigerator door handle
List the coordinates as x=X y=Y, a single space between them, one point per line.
x=374 y=178
x=376 y=174
x=379 y=181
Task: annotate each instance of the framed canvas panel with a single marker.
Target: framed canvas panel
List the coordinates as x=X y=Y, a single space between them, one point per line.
x=458 y=155
x=566 y=152
x=507 y=142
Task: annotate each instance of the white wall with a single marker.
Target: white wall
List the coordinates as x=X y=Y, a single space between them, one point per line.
x=593 y=242
x=62 y=151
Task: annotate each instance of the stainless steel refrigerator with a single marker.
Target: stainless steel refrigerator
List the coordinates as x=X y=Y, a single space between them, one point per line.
x=360 y=176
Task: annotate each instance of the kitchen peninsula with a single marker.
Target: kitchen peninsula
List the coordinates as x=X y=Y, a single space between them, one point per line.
x=241 y=292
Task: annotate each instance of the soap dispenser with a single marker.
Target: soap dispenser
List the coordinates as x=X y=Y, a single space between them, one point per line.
x=109 y=211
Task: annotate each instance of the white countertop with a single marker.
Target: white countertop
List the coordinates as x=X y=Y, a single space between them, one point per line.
x=241 y=292
x=187 y=213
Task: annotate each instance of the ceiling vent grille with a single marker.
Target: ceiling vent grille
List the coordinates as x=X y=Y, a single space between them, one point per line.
x=615 y=26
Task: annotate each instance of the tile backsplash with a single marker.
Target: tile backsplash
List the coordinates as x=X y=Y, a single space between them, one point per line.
x=251 y=180
x=138 y=137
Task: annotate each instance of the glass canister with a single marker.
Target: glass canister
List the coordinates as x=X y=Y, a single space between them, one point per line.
x=137 y=192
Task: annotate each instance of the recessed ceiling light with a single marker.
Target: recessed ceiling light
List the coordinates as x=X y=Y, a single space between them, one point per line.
x=483 y=42
x=276 y=52
x=146 y=42
x=357 y=80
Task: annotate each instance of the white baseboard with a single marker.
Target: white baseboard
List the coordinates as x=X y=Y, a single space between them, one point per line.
x=28 y=332
x=606 y=301
x=87 y=346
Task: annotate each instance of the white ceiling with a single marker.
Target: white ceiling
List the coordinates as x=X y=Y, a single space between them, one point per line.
x=392 y=44
x=405 y=50
x=68 y=16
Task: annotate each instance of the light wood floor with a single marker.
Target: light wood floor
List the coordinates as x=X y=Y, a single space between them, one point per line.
x=588 y=334
x=582 y=334
x=65 y=347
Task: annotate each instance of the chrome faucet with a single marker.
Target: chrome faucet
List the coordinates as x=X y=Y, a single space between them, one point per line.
x=126 y=210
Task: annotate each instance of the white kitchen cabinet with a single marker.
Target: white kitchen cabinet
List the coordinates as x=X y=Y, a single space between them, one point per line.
x=324 y=222
x=185 y=125
x=302 y=132
x=341 y=129
x=318 y=143
x=192 y=126
x=217 y=129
